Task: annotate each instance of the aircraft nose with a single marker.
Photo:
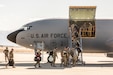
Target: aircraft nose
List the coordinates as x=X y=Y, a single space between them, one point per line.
x=12 y=36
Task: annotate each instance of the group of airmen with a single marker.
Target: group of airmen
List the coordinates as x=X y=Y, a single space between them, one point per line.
x=68 y=57
x=9 y=57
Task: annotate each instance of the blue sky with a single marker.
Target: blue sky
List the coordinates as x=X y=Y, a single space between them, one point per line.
x=15 y=13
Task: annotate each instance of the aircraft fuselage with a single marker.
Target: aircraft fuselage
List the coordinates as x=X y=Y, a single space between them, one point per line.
x=54 y=33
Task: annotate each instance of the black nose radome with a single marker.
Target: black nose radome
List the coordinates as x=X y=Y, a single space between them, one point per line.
x=12 y=36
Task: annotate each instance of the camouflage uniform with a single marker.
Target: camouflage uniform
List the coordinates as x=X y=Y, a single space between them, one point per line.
x=11 y=58
x=74 y=55
x=64 y=57
x=38 y=61
x=6 y=51
x=90 y=30
x=54 y=56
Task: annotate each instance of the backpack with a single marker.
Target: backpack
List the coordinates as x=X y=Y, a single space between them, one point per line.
x=64 y=53
x=37 y=57
x=50 y=59
x=79 y=50
x=11 y=62
x=51 y=53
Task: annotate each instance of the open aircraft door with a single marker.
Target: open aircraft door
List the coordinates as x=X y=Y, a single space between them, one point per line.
x=81 y=25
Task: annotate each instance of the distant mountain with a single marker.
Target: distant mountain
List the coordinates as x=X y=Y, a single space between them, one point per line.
x=4 y=40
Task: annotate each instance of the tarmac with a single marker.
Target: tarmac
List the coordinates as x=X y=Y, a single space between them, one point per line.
x=95 y=64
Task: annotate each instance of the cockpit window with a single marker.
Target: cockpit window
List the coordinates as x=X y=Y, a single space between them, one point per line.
x=27 y=28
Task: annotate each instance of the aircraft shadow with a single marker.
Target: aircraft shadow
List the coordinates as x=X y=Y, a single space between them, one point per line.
x=105 y=61
x=58 y=66
x=48 y=66
x=97 y=65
